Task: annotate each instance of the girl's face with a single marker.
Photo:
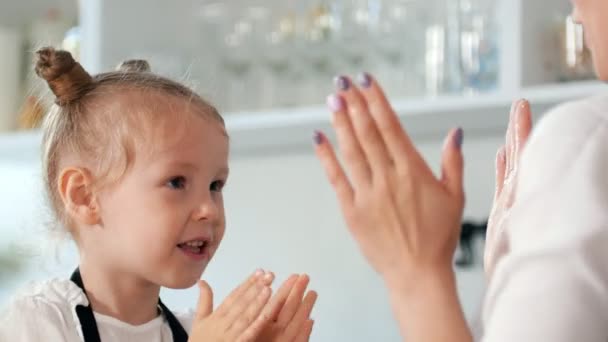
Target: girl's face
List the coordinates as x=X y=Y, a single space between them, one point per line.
x=592 y=15
x=164 y=220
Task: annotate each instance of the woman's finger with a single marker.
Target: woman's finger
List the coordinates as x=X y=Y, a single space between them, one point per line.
x=353 y=154
x=501 y=165
x=396 y=140
x=301 y=316
x=293 y=300
x=364 y=126
x=523 y=127
x=452 y=163
x=509 y=138
x=334 y=171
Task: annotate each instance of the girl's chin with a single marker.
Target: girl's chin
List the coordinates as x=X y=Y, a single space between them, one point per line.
x=183 y=280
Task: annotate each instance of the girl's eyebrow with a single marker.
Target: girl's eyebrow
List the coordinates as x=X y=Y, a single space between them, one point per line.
x=183 y=165
x=186 y=165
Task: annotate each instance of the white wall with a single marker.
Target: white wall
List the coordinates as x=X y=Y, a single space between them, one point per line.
x=283 y=216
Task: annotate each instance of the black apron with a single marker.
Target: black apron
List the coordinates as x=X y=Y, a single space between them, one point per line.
x=89 y=326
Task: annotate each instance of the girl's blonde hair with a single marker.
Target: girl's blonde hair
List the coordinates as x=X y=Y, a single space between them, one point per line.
x=84 y=121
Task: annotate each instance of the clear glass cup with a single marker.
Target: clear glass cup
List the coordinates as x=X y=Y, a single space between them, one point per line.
x=479 y=45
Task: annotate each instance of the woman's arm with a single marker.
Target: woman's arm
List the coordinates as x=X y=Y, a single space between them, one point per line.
x=405 y=219
x=552 y=284
x=429 y=309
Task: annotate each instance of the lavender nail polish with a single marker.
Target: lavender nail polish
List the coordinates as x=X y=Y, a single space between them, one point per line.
x=342 y=83
x=458 y=138
x=318 y=138
x=335 y=103
x=364 y=79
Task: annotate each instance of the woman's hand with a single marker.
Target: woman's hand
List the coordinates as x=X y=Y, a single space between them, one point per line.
x=507 y=166
x=289 y=312
x=240 y=318
x=405 y=219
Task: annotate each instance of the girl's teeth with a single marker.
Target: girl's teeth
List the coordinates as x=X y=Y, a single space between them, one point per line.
x=195 y=243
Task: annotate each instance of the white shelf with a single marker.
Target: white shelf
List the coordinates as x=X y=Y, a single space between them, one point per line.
x=282 y=131
x=523 y=64
x=427 y=118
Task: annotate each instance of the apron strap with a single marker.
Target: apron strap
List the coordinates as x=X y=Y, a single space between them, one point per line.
x=179 y=334
x=90 y=332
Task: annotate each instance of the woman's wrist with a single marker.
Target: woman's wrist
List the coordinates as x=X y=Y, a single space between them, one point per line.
x=419 y=280
x=423 y=298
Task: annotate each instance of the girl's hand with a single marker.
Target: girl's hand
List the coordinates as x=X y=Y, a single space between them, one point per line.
x=239 y=318
x=405 y=219
x=507 y=166
x=289 y=312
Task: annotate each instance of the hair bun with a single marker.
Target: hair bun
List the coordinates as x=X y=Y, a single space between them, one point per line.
x=134 y=65
x=66 y=77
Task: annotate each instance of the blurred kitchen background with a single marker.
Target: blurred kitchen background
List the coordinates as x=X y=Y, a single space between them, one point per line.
x=268 y=66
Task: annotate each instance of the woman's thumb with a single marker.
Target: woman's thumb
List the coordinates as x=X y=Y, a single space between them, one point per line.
x=452 y=162
x=205 y=301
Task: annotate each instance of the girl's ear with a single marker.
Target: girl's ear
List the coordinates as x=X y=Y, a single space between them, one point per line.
x=79 y=200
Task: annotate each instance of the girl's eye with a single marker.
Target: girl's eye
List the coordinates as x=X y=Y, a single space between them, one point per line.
x=217 y=186
x=177 y=183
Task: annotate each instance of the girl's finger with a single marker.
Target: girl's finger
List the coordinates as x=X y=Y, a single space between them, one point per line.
x=205 y=302
x=278 y=300
x=305 y=331
x=301 y=316
x=243 y=287
x=250 y=320
x=233 y=305
x=293 y=301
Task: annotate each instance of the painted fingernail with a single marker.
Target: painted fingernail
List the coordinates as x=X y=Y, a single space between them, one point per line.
x=335 y=103
x=319 y=137
x=259 y=272
x=364 y=79
x=342 y=83
x=458 y=138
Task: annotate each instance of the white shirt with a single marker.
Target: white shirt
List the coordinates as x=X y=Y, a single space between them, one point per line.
x=45 y=311
x=552 y=285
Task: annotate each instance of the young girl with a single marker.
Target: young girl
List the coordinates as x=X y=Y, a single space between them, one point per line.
x=134 y=167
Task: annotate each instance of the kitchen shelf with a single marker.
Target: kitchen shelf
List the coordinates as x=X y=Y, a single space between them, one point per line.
x=285 y=130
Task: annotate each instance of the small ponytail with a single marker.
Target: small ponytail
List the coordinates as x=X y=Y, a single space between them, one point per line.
x=134 y=65
x=67 y=78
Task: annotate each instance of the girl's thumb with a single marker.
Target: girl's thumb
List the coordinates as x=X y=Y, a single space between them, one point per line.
x=205 y=301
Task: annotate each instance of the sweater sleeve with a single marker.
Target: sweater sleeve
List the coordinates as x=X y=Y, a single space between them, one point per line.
x=552 y=283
